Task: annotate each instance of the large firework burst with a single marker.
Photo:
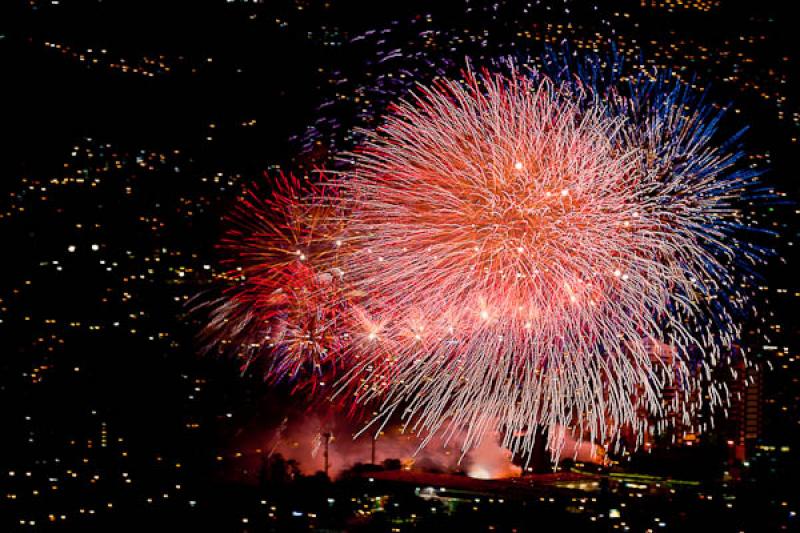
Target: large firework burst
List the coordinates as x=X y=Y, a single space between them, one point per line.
x=512 y=252
x=526 y=251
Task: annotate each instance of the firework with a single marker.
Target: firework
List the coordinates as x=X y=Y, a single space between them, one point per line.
x=281 y=308
x=517 y=253
x=527 y=251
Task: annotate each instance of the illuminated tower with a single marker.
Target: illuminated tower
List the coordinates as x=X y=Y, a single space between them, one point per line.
x=745 y=427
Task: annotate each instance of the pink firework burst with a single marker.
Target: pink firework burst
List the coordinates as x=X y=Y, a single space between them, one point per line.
x=518 y=265
x=505 y=253
x=281 y=308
